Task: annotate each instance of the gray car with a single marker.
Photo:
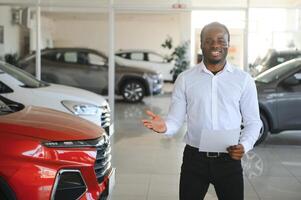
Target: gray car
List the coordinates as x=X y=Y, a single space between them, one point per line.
x=88 y=69
x=279 y=94
x=273 y=58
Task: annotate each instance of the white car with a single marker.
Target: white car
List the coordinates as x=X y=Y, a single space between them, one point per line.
x=20 y=86
x=145 y=59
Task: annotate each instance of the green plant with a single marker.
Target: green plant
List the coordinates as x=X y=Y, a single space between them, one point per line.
x=181 y=61
x=179 y=55
x=11 y=58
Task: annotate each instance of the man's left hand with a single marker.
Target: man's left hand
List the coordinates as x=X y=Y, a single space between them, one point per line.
x=236 y=152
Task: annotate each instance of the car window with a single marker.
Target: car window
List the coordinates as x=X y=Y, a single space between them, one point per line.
x=282 y=58
x=96 y=59
x=278 y=71
x=53 y=56
x=155 y=58
x=4 y=88
x=70 y=57
x=123 y=55
x=298 y=75
x=137 y=56
x=294 y=79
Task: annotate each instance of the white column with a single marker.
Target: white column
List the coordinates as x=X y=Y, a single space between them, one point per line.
x=111 y=59
x=38 y=40
x=246 y=38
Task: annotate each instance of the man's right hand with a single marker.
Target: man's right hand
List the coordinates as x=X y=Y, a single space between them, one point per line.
x=155 y=123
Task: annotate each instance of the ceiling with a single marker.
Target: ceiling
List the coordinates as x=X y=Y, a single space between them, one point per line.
x=160 y=4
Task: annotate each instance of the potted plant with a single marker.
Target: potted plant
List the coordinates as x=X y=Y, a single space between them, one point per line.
x=178 y=55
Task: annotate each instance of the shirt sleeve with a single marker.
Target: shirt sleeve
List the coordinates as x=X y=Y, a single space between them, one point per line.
x=249 y=108
x=177 y=109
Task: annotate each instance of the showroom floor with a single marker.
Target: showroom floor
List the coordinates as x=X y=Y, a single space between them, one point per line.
x=148 y=164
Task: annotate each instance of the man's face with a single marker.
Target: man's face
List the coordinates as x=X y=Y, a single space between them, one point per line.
x=215 y=45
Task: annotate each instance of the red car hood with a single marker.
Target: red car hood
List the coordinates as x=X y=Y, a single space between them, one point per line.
x=48 y=125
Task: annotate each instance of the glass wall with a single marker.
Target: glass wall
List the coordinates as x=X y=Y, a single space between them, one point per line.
x=271 y=28
x=234 y=20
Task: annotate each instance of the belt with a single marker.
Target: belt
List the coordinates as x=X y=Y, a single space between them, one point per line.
x=207 y=154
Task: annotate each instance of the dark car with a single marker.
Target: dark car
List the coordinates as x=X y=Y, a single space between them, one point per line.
x=279 y=93
x=271 y=59
x=88 y=69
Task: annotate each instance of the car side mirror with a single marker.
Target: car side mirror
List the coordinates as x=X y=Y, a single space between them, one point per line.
x=291 y=81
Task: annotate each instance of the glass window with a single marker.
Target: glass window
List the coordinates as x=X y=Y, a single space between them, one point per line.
x=96 y=59
x=281 y=59
x=53 y=56
x=137 y=56
x=122 y=55
x=70 y=57
x=298 y=75
x=155 y=58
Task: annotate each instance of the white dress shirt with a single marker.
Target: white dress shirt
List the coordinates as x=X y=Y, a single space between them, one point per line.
x=214 y=102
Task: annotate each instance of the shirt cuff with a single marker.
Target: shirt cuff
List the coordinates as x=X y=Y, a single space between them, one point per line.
x=246 y=146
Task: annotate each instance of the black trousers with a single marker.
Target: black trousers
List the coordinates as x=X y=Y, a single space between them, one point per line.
x=198 y=171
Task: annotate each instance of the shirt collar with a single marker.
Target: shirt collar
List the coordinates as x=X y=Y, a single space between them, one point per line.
x=227 y=67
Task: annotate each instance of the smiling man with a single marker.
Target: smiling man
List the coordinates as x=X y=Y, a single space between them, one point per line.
x=215 y=97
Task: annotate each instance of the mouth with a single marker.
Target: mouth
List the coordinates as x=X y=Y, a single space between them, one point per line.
x=216 y=53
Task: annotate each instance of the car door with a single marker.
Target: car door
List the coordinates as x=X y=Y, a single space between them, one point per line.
x=160 y=65
x=98 y=73
x=63 y=67
x=138 y=60
x=69 y=68
x=289 y=102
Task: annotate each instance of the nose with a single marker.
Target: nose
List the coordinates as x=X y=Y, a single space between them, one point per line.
x=214 y=44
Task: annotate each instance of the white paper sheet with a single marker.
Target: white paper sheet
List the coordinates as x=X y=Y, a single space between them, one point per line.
x=218 y=140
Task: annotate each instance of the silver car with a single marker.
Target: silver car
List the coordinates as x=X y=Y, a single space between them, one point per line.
x=88 y=69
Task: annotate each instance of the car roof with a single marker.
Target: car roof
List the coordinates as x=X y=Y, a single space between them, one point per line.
x=70 y=49
x=43 y=51
x=136 y=51
x=287 y=51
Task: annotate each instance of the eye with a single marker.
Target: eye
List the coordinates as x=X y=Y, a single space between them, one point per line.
x=208 y=42
x=222 y=42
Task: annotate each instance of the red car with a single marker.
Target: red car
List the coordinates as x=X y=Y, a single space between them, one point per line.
x=46 y=154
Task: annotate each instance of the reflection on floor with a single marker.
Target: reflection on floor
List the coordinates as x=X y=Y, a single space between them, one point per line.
x=148 y=164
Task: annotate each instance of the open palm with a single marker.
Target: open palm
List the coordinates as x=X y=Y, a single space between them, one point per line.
x=156 y=123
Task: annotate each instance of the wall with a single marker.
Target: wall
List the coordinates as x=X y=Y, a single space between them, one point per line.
x=132 y=31
x=12 y=33
x=47 y=32
x=74 y=31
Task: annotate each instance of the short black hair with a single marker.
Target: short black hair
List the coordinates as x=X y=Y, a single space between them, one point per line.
x=214 y=24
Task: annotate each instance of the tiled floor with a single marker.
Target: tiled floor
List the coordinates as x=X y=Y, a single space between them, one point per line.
x=148 y=164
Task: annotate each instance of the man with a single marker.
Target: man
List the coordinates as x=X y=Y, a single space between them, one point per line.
x=214 y=97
